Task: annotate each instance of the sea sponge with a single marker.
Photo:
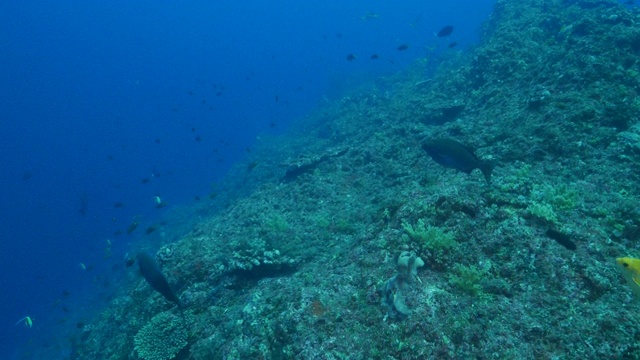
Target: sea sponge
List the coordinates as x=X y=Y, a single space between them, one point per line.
x=408 y=264
x=162 y=338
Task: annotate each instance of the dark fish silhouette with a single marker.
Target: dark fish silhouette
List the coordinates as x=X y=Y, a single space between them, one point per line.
x=403 y=47
x=84 y=203
x=151 y=272
x=132 y=227
x=445 y=31
x=374 y=57
x=454 y=155
x=351 y=57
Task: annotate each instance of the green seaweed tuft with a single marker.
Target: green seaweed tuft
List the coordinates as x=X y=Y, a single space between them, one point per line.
x=429 y=237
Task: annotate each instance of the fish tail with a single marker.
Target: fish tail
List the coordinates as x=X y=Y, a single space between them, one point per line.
x=486 y=168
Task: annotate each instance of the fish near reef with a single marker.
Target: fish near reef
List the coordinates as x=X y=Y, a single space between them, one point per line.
x=454 y=155
x=630 y=268
x=151 y=272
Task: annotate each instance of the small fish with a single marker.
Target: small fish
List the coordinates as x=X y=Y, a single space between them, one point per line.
x=445 y=31
x=403 y=47
x=118 y=204
x=252 y=165
x=129 y=262
x=454 y=155
x=351 y=57
x=630 y=268
x=370 y=15
x=82 y=266
x=132 y=227
x=374 y=57
x=145 y=180
x=149 y=230
x=453 y=44
x=566 y=28
x=28 y=322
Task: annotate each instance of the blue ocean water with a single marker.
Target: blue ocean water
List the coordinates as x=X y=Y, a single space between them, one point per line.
x=107 y=107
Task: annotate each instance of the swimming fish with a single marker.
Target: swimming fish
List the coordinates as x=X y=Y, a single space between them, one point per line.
x=28 y=322
x=131 y=228
x=630 y=268
x=351 y=57
x=369 y=15
x=454 y=155
x=403 y=47
x=151 y=272
x=445 y=31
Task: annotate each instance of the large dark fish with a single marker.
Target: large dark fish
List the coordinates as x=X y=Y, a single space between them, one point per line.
x=454 y=155
x=151 y=272
x=445 y=31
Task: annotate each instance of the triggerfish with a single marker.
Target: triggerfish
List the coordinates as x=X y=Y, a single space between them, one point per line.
x=630 y=268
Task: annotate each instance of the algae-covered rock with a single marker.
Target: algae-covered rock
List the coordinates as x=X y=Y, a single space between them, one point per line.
x=162 y=338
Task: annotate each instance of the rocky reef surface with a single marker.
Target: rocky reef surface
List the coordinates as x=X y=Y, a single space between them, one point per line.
x=345 y=240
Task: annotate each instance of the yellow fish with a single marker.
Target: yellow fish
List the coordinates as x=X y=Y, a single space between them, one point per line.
x=630 y=268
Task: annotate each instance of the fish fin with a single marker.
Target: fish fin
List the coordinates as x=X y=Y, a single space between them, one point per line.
x=487 y=167
x=635 y=280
